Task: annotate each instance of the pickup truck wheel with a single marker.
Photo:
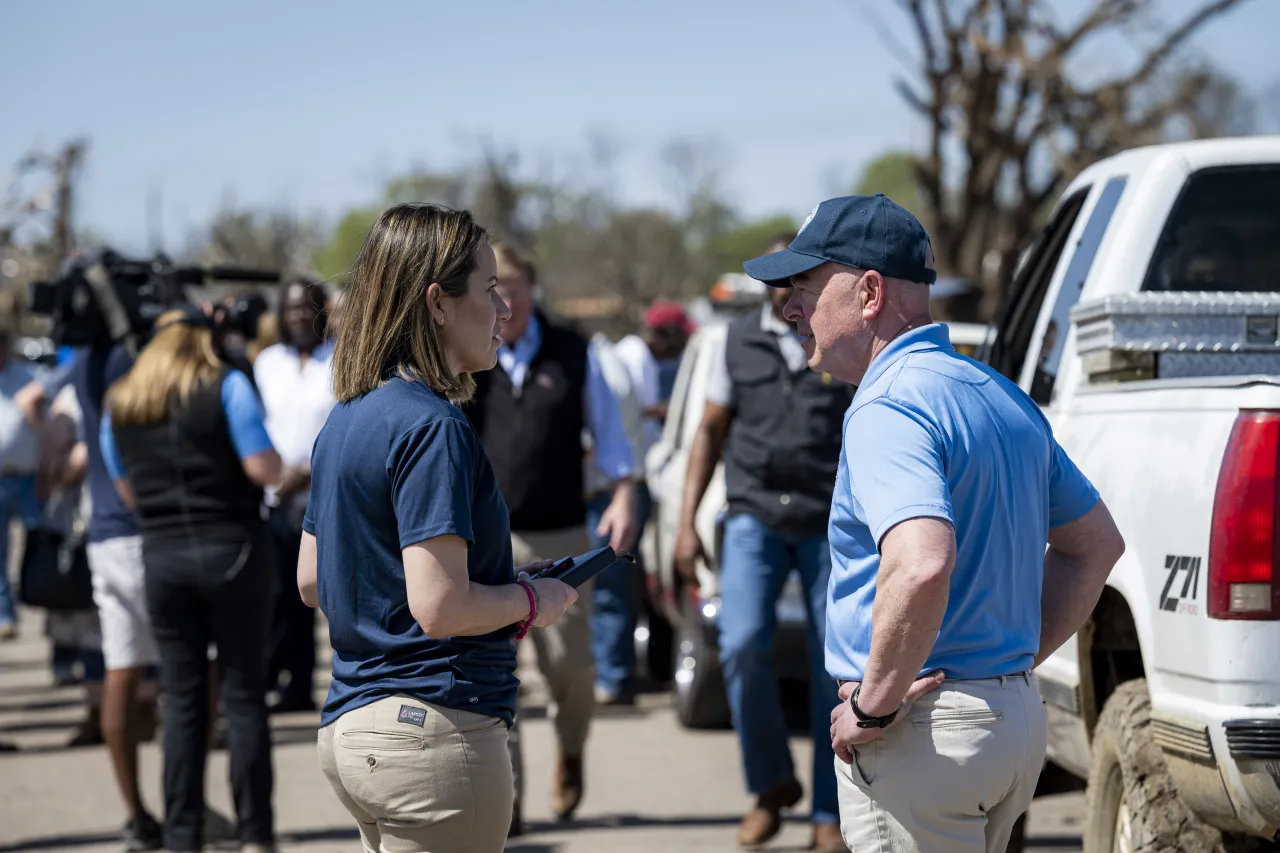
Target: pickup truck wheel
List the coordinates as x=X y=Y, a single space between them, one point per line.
x=700 y=697
x=653 y=648
x=1131 y=805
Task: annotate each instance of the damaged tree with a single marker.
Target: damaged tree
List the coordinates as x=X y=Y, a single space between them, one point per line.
x=1009 y=127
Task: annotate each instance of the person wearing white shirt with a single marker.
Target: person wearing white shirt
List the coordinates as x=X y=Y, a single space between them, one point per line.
x=294 y=379
x=652 y=357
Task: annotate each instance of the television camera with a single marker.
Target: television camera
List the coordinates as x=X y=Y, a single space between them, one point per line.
x=103 y=298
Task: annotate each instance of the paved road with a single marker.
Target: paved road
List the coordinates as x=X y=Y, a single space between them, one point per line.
x=650 y=784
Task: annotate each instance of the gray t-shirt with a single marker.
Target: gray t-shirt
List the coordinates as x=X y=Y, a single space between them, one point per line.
x=19 y=444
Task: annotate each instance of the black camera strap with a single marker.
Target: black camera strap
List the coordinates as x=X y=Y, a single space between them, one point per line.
x=113 y=312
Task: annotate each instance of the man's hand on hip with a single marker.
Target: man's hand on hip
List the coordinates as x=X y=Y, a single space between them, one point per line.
x=845 y=732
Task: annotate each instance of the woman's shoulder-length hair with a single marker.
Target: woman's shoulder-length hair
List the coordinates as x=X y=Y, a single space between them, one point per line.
x=179 y=358
x=386 y=326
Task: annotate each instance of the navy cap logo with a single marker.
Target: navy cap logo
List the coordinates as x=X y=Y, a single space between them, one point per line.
x=808 y=219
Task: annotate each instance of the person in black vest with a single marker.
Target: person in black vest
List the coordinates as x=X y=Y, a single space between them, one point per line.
x=777 y=426
x=531 y=415
x=185 y=442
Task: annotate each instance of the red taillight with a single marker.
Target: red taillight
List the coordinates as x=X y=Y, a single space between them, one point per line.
x=1244 y=542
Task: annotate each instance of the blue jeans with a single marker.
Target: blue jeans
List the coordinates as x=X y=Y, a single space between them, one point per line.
x=756 y=562
x=17 y=499
x=613 y=613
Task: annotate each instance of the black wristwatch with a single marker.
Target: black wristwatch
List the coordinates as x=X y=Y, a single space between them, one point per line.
x=866 y=721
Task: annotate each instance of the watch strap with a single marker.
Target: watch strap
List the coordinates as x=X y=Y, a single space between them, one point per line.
x=865 y=720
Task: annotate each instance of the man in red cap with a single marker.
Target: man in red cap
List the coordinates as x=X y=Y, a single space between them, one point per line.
x=651 y=359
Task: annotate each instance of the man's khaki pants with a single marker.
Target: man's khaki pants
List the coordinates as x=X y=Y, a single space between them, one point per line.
x=951 y=778
x=563 y=650
x=419 y=778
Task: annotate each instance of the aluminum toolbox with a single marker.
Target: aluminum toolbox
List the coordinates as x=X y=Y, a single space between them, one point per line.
x=1167 y=335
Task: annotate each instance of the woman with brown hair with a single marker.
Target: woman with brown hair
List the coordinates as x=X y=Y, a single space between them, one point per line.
x=407 y=548
x=184 y=440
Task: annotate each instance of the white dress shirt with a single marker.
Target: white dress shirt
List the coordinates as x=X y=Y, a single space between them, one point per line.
x=297 y=395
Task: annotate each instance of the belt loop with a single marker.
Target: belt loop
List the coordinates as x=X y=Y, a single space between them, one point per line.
x=1002 y=679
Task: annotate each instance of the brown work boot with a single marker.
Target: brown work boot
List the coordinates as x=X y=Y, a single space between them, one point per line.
x=764 y=821
x=568 y=787
x=89 y=732
x=827 y=838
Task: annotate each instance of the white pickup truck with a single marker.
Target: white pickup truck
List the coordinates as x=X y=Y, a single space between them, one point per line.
x=1144 y=320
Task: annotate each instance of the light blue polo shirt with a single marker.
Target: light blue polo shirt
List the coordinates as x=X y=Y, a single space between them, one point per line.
x=933 y=434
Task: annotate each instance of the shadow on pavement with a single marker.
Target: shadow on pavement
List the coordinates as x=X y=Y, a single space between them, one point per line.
x=41 y=705
x=29 y=690
x=1051 y=842
x=49 y=726
x=61 y=842
x=21 y=665
x=636 y=821
x=316 y=836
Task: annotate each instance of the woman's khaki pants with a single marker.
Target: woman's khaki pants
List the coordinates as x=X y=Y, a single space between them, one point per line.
x=419 y=778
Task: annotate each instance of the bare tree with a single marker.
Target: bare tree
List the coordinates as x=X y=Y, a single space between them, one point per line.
x=1010 y=123
x=264 y=239
x=53 y=200
x=37 y=203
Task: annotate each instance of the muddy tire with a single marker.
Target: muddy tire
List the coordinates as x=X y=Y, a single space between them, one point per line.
x=1131 y=805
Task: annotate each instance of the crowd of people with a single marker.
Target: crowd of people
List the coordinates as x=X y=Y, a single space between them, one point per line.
x=406 y=456
x=183 y=566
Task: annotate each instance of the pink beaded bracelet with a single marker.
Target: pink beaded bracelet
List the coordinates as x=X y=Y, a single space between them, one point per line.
x=533 y=609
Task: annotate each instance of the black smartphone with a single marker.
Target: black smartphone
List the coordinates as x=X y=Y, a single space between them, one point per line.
x=555 y=569
x=591 y=564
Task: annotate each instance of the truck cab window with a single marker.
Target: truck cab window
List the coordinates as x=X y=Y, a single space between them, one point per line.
x=1055 y=333
x=1222 y=235
x=1030 y=286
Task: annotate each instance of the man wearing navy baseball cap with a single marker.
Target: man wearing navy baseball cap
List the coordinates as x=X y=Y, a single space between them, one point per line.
x=950 y=484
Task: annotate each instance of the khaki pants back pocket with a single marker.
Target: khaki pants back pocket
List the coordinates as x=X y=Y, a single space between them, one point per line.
x=377 y=741
x=957 y=717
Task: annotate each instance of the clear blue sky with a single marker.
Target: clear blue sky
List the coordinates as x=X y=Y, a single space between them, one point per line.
x=315 y=104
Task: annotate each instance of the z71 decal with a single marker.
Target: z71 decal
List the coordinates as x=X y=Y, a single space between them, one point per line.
x=1182 y=587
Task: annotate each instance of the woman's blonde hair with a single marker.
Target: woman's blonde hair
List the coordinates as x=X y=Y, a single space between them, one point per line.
x=386 y=325
x=178 y=359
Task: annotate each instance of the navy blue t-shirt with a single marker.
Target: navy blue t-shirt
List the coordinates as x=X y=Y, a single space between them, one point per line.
x=397 y=466
x=94 y=370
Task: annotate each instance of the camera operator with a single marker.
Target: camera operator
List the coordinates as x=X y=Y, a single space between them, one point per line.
x=186 y=446
x=236 y=329
x=294 y=379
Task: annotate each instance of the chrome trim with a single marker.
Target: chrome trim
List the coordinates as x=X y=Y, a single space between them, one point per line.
x=1182 y=740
